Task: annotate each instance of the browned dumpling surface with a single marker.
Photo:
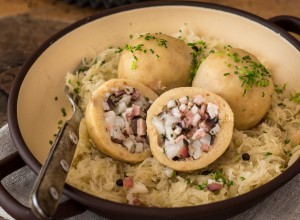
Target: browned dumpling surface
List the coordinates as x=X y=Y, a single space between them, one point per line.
x=159 y=61
x=116 y=119
x=241 y=80
x=189 y=128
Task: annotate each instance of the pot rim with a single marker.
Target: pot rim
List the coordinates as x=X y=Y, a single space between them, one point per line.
x=106 y=205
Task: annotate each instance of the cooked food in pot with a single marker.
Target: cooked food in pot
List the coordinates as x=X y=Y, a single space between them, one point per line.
x=116 y=119
x=159 y=61
x=241 y=80
x=253 y=157
x=189 y=128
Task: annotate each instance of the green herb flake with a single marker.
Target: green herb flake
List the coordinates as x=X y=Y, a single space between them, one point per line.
x=188 y=181
x=219 y=176
x=119 y=50
x=242 y=178
x=286 y=141
x=134 y=63
x=201 y=186
x=287 y=153
x=295 y=98
x=229 y=183
x=174 y=174
x=280 y=90
x=63 y=111
x=77 y=90
x=60 y=122
x=50 y=142
x=268 y=153
x=226 y=74
x=55 y=98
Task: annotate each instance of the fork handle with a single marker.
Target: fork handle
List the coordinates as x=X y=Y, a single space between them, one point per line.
x=48 y=188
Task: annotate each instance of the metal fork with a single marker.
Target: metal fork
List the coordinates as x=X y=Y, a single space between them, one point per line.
x=49 y=185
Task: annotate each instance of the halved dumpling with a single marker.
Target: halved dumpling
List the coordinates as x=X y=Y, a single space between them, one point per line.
x=189 y=128
x=116 y=119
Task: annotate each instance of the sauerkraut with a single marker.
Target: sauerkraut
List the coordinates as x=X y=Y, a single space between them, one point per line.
x=253 y=158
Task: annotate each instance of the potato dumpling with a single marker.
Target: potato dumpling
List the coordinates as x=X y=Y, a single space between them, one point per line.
x=241 y=80
x=116 y=119
x=159 y=61
x=189 y=128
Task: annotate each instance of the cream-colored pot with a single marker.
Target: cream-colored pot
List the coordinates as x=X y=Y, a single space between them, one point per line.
x=34 y=111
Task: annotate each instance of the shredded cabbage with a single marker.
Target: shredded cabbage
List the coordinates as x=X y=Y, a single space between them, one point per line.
x=273 y=146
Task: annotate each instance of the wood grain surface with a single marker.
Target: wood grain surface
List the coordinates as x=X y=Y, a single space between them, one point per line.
x=25 y=24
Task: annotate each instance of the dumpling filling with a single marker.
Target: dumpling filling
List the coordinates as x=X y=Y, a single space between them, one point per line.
x=187 y=127
x=125 y=118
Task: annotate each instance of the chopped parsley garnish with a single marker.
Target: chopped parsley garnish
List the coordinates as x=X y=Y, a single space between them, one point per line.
x=174 y=174
x=77 y=90
x=296 y=98
x=287 y=153
x=140 y=47
x=60 y=122
x=268 y=154
x=286 y=141
x=242 y=178
x=63 y=111
x=198 y=56
x=219 y=176
x=201 y=186
x=249 y=72
x=50 y=142
x=82 y=69
x=229 y=183
x=188 y=181
x=280 y=90
x=55 y=98
x=134 y=63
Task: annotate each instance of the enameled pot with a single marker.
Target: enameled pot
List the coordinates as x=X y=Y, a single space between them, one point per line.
x=33 y=112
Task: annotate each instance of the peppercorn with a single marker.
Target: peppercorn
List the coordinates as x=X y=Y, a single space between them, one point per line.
x=245 y=156
x=119 y=182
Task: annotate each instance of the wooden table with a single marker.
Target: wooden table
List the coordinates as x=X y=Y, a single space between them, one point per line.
x=25 y=24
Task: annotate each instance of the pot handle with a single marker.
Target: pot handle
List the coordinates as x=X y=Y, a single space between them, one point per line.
x=288 y=23
x=8 y=165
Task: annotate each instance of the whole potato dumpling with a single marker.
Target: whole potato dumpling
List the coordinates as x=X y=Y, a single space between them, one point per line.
x=241 y=80
x=159 y=61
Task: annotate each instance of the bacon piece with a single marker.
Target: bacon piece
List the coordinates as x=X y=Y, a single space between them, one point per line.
x=119 y=92
x=135 y=95
x=188 y=119
x=203 y=110
x=214 y=186
x=129 y=113
x=128 y=182
x=198 y=134
x=136 y=110
x=184 y=152
x=205 y=148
